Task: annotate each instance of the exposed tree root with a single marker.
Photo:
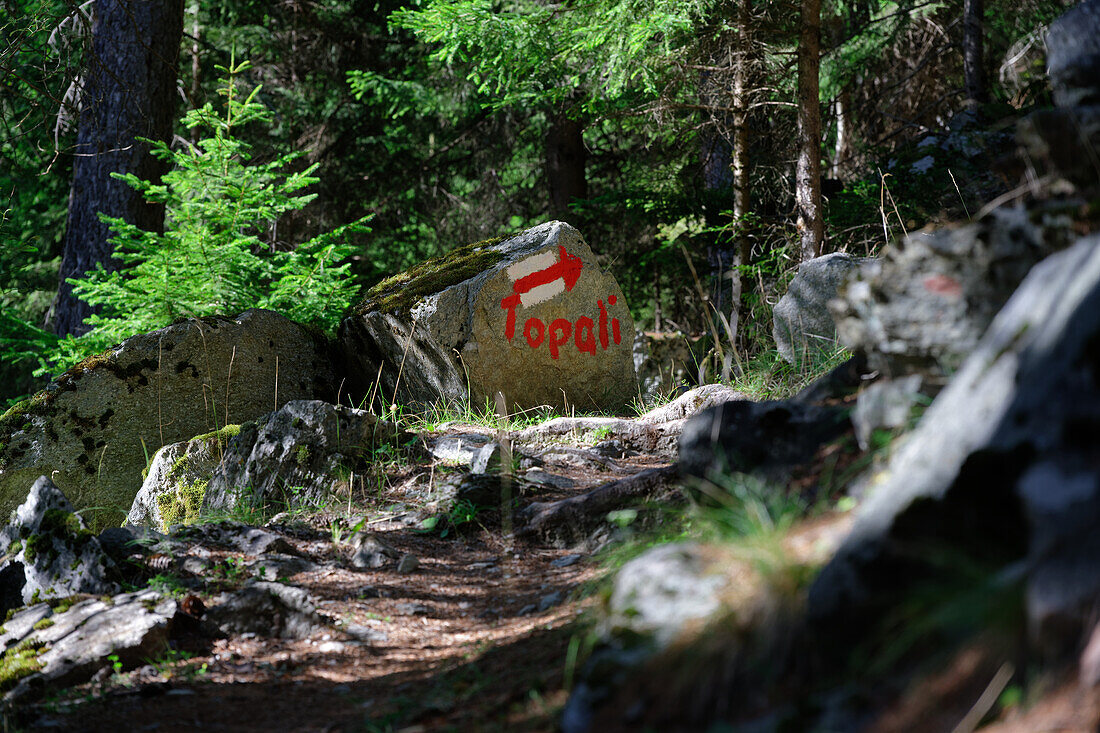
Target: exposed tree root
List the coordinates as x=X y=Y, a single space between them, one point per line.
x=571 y=520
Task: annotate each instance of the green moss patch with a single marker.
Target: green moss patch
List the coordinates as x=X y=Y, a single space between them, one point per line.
x=18 y=662
x=397 y=294
x=181 y=506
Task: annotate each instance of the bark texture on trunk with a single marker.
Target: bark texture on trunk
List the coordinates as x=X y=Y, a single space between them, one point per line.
x=565 y=159
x=128 y=91
x=973 y=68
x=811 y=226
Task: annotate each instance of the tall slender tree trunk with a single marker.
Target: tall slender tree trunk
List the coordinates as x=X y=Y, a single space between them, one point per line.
x=128 y=91
x=739 y=159
x=811 y=226
x=973 y=68
x=843 y=150
x=565 y=159
x=196 y=63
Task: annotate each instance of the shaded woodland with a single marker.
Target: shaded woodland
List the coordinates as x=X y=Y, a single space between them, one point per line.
x=703 y=148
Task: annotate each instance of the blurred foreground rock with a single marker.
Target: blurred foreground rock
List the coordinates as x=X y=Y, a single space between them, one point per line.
x=1001 y=469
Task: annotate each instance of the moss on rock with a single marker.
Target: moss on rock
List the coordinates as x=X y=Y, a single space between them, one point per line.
x=18 y=662
x=399 y=293
x=181 y=506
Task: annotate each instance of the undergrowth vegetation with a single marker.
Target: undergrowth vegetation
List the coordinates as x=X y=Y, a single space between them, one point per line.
x=210 y=259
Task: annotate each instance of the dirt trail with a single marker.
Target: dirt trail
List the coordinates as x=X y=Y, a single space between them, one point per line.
x=476 y=638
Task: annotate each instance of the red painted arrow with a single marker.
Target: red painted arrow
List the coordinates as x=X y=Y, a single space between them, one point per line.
x=568 y=268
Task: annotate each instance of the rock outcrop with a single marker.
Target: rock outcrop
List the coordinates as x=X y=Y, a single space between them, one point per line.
x=297 y=457
x=922 y=306
x=175 y=485
x=94 y=426
x=532 y=317
x=44 y=648
x=1002 y=467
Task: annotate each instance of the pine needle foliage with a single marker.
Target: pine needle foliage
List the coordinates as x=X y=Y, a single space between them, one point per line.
x=211 y=258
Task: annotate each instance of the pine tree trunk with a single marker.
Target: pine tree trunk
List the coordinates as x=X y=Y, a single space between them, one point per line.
x=742 y=191
x=973 y=68
x=811 y=226
x=129 y=91
x=565 y=159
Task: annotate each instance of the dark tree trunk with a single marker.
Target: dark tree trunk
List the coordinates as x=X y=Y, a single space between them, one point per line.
x=811 y=225
x=129 y=91
x=565 y=158
x=973 y=68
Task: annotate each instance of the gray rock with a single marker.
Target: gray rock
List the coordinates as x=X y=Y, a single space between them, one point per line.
x=1073 y=55
x=766 y=439
x=173 y=490
x=297 y=457
x=93 y=424
x=267 y=609
x=886 y=404
x=49 y=553
x=408 y=563
x=479 y=489
x=457 y=448
x=566 y=560
x=659 y=593
x=691 y=403
x=550 y=600
x=922 y=306
x=1001 y=468
x=248 y=540
x=613 y=449
x=370 y=552
x=486 y=459
x=472 y=318
x=131 y=628
x=802 y=324
x=656 y=437
x=275 y=565
x=540 y=477
x=655 y=599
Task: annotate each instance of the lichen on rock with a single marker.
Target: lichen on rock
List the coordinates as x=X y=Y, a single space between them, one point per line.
x=92 y=428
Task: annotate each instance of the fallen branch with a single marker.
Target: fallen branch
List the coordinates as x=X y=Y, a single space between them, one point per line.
x=569 y=520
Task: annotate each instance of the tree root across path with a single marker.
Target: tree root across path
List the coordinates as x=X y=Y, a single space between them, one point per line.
x=569 y=521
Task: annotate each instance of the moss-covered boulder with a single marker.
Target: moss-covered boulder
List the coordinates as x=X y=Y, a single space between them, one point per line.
x=94 y=427
x=176 y=480
x=532 y=316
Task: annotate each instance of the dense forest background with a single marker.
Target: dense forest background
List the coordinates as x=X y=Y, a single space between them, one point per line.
x=703 y=148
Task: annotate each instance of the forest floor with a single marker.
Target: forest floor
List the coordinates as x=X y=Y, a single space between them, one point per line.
x=476 y=638
x=482 y=636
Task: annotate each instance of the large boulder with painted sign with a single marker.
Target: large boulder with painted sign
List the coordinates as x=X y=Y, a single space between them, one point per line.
x=532 y=316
